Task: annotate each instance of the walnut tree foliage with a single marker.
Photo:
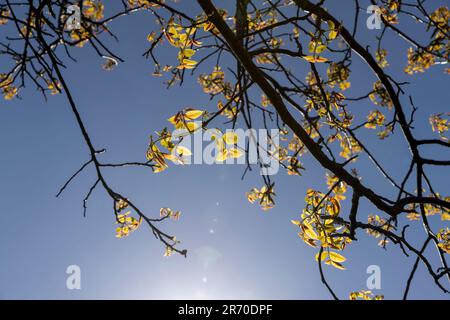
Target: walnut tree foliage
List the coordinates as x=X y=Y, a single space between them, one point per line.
x=287 y=64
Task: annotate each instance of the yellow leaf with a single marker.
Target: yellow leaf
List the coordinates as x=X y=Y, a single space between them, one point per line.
x=221 y=155
x=309 y=242
x=337 y=265
x=159 y=168
x=190 y=126
x=230 y=138
x=334 y=208
x=331 y=24
x=189 y=62
x=119 y=232
x=151 y=37
x=173 y=119
x=193 y=114
x=188 y=53
x=234 y=153
x=445 y=216
x=336 y=257
x=185 y=66
x=315 y=59
x=332 y=35
x=183 y=151
x=308 y=230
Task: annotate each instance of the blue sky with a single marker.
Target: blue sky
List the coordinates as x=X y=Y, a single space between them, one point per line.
x=236 y=251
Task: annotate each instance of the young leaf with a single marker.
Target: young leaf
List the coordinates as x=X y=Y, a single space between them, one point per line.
x=315 y=59
x=336 y=257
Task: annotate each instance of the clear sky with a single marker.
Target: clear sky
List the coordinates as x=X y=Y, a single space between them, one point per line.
x=235 y=250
